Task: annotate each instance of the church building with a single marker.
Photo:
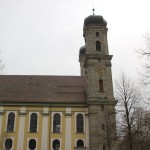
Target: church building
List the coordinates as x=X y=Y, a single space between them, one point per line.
x=63 y=112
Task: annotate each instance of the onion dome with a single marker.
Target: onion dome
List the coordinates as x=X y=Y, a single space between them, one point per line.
x=95 y=20
x=82 y=50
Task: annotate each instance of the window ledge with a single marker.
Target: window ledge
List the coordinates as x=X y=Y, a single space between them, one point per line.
x=80 y=132
x=10 y=131
x=80 y=148
x=57 y=132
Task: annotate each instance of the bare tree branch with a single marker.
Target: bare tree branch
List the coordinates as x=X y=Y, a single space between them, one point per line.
x=144 y=53
x=127 y=95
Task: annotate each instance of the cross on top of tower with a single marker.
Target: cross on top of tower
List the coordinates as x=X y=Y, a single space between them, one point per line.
x=93 y=11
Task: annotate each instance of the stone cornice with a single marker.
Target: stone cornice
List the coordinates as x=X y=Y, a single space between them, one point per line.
x=101 y=101
x=98 y=56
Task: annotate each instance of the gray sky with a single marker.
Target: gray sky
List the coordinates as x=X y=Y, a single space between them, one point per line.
x=44 y=36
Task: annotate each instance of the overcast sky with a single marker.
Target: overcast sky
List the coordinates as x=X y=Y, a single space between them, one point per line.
x=43 y=37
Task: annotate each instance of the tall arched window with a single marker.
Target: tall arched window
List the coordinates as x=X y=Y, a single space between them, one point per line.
x=80 y=123
x=101 y=85
x=56 y=145
x=8 y=144
x=56 y=123
x=80 y=143
x=33 y=122
x=11 y=122
x=98 y=45
x=32 y=144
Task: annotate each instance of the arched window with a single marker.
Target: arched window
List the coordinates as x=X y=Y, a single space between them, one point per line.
x=101 y=85
x=11 y=122
x=56 y=145
x=98 y=45
x=56 y=123
x=32 y=144
x=8 y=144
x=80 y=143
x=80 y=123
x=33 y=122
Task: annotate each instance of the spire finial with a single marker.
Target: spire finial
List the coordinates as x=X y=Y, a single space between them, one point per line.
x=93 y=10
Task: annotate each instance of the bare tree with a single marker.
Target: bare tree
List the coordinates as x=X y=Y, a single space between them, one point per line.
x=107 y=131
x=144 y=52
x=142 y=129
x=127 y=95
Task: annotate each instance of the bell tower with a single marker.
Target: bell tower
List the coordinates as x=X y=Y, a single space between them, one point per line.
x=95 y=63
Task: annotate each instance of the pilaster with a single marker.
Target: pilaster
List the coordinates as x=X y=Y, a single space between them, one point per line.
x=1 y=118
x=68 y=132
x=45 y=131
x=22 y=113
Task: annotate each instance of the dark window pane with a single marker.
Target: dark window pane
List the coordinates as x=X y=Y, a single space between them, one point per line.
x=11 y=122
x=56 y=144
x=8 y=144
x=80 y=143
x=33 y=122
x=97 y=33
x=80 y=123
x=56 y=123
x=98 y=45
x=101 y=85
x=32 y=144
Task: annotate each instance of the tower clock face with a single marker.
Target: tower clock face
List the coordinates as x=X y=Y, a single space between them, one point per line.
x=100 y=70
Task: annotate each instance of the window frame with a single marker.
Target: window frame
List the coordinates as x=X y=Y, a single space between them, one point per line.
x=97 y=33
x=36 y=143
x=84 y=142
x=52 y=116
x=30 y=113
x=11 y=143
x=77 y=143
x=55 y=121
x=103 y=126
x=101 y=85
x=53 y=143
x=6 y=127
x=59 y=139
x=83 y=114
x=98 y=46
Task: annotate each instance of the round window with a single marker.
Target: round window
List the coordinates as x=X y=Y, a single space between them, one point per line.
x=8 y=143
x=32 y=144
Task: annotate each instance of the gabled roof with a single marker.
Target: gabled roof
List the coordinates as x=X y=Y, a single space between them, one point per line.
x=42 y=89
